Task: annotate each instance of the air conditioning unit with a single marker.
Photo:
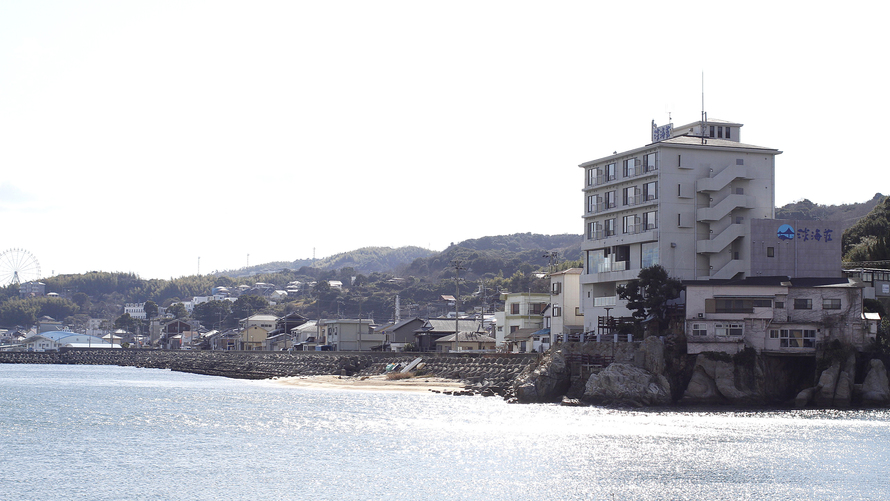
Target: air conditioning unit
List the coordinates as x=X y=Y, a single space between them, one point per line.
x=701 y=315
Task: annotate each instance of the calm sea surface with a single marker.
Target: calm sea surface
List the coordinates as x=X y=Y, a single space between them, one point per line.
x=102 y=433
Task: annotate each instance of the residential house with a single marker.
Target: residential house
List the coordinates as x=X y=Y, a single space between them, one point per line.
x=399 y=335
x=48 y=324
x=522 y=318
x=775 y=315
x=349 y=334
x=466 y=341
x=178 y=333
x=304 y=337
x=434 y=329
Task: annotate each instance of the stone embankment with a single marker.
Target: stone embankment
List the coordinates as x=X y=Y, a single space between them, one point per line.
x=489 y=374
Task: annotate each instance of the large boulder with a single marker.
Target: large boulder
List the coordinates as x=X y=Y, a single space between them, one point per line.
x=545 y=382
x=626 y=384
x=827 y=385
x=843 y=393
x=804 y=397
x=717 y=380
x=876 y=387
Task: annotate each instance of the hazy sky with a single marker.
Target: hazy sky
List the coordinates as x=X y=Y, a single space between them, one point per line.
x=142 y=136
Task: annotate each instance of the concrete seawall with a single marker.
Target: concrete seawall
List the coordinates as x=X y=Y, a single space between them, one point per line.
x=484 y=371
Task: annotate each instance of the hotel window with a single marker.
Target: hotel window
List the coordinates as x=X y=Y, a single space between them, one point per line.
x=649 y=162
x=591 y=230
x=650 y=220
x=630 y=167
x=831 y=304
x=803 y=304
x=649 y=257
x=609 y=227
x=596 y=261
x=591 y=203
x=609 y=172
x=630 y=195
x=699 y=329
x=650 y=191
x=629 y=224
x=591 y=176
x=609 y=200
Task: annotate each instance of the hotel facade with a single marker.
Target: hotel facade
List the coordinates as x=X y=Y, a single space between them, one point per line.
x=685 y=201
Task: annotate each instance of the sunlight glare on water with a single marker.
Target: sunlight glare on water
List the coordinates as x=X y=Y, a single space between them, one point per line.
x=126 y=433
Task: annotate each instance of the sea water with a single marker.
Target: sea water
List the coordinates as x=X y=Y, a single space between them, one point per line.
x=119 y=433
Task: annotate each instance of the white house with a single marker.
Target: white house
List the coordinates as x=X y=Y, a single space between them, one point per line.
x=778 y=315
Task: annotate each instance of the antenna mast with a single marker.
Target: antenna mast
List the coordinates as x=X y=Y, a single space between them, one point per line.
x=704 y=114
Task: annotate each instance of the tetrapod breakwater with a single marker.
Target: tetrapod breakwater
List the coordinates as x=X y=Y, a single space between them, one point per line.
x=486 y=373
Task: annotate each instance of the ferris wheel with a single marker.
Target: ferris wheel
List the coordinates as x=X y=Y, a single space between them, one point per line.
x=18 y=266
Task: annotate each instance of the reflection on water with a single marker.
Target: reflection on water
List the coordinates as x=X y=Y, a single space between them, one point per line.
x=125 y=433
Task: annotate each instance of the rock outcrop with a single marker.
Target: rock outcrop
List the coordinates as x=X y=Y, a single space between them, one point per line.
x=545 y=382
x=626 y=384
x=717 y=379
x=876 y=387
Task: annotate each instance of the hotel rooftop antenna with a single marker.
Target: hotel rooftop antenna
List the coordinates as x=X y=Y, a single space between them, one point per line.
x=704 y=114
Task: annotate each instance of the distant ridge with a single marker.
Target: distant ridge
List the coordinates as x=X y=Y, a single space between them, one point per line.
x=502 y=253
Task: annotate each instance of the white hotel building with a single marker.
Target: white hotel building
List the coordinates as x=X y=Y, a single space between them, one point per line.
x=683 y=201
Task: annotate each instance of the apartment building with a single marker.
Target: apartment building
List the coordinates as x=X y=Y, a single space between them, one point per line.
x=564 y=317
x=684 y=201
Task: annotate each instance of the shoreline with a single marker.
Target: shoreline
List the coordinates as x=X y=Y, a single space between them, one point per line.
x=373 y=383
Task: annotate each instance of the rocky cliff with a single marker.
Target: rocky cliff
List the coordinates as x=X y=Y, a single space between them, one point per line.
x=653 y=373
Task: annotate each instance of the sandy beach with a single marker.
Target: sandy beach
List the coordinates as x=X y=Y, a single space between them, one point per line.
x=373 y=383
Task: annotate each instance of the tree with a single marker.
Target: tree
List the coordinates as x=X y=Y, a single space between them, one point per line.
x=178 y=310
x=150 y=308
x=126 y=322
x=82 y=301
x=650 y=293
x=246 y=306
x=212 y=312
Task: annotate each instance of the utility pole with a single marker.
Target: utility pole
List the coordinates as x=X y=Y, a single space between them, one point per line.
x=458 y=265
